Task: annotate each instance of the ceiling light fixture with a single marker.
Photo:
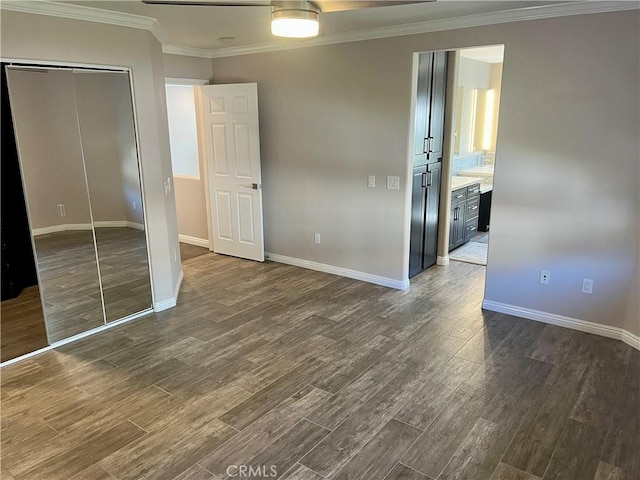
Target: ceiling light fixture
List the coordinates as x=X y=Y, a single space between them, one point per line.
x=295 y=19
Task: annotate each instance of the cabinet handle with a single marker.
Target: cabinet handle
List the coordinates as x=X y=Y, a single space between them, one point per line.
x=455 y=213
x=425 y=145
x=458 y=196
x=430 y=179
x=474 y=208
x=471 y=229
x=424 y=179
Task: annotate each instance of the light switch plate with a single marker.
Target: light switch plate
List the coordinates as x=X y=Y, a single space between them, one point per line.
x=393 y=182
x=371 y=181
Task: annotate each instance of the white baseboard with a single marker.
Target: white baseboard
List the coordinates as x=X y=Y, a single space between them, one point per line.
x=118 y=224
x=198 y=242
x=343 y=272
x=562 y=321
x=61 y=228
x=170 y=302
x=137 y=226
x=164 y=304
x=442 y=261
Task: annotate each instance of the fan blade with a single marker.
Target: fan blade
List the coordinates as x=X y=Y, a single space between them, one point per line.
x=212 y=3
x=342 y=5
x=323 y=5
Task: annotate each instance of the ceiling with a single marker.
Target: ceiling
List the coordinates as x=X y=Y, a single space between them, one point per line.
x=492 y=54
x=203 y=26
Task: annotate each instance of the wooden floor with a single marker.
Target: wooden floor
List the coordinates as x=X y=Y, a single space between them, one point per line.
x=22 y=327
x=268 y=365
x=187 y=251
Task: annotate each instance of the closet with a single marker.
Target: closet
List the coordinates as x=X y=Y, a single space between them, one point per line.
x=427 y=157
x=76 y=157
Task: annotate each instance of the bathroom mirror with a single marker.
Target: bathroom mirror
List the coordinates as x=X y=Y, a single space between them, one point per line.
x=76 y=142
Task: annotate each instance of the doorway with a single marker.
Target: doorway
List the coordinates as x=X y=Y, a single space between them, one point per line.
x=188 y=169
x=475 y=126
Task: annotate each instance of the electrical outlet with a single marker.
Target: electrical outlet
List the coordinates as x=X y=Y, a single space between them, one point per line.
x=61 y=210
x=316 y=238
x=587 y=286
x=545 y=276
x=135 y=207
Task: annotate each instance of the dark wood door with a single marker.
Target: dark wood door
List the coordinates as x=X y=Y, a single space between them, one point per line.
x=418 y=199
x=422 y=109
x=432 y=199
x=437 y=95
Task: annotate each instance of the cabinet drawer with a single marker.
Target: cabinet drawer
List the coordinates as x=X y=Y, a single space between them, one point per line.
x=458 y=195
x=471 y=228
x=473 y=190
x=473 y=207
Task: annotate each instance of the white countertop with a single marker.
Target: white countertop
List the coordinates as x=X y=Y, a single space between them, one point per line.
x=482 y=171
x=461 y=182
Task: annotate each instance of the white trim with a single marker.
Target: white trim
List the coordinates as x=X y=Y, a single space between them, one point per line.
x=343 y=272
x=61 y=228
x=186 y=51
x=164 y=304
x=442 y=261
x=118 y=224
x=562 y=321
x=630 y=339
x=98 y=15
x=89 y=14
x=198 y=242
x=78 y=337
x=176 y=81
x=483 y=19
x=170 y=302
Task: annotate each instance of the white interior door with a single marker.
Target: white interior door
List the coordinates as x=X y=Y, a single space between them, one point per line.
x=228 y=117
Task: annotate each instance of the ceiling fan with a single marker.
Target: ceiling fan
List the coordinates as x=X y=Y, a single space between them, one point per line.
x=291 y=18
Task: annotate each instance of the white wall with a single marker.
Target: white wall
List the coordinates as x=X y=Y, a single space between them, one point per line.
x=566 y=195
x=43 y=38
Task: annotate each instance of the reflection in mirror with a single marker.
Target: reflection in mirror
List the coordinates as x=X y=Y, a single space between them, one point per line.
x=22 y=328
x=105 y=113
x=48 y=140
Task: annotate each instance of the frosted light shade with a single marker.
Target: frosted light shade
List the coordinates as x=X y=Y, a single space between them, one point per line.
x=294 y=27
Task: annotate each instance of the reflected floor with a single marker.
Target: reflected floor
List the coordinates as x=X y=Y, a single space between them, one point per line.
x=124 y=268
x=69 y=278
x=69 y=282
x=22 y=327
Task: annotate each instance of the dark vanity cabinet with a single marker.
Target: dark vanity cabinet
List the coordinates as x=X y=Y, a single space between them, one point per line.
x=463 y=221
x=427 y=158
x=425 y=202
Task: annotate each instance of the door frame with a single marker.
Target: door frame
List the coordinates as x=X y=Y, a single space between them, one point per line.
x=204 y=174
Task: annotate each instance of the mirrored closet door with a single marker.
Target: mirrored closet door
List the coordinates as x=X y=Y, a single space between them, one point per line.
x=76 y=144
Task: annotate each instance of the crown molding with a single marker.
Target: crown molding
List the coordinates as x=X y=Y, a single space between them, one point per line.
x=45 y=7
x=89 y=14
x=479 y=20
x=187 y=51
